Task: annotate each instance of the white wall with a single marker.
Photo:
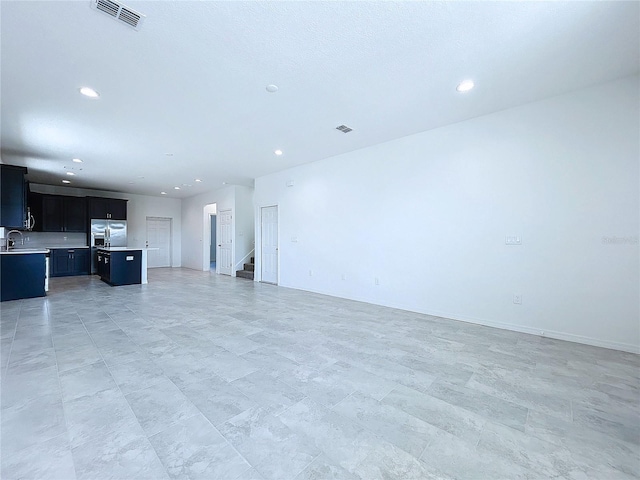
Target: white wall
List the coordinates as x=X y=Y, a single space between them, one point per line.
x=139 y=207
x=195 y=220
x=427 y=216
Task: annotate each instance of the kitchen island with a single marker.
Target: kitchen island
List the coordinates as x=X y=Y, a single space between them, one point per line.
x=122 y=265
x=23 y=273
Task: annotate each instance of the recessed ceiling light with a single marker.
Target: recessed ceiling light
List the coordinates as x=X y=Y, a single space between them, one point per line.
x=89 y=92
x=197 y=180
x=70 y=174
x=272 y=88
x=66 y=181
x=465 y=86
x=176 y=188
x=278 y=152
x=224 y=183
x=77 y=160
x=163 y=193
x=169 y=154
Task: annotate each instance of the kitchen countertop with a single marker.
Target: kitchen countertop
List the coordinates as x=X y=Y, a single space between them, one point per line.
x=24 y=251
x=124 y=249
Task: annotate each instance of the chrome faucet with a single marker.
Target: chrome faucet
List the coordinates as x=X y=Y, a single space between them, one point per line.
x=9 y=241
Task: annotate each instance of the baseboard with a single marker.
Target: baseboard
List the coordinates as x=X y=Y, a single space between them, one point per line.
x=568 y=337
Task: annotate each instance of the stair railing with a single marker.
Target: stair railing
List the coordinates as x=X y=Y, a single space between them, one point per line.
x=244 y=260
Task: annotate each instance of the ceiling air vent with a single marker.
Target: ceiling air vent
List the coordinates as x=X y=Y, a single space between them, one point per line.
x=344 y=129
x=119 y=12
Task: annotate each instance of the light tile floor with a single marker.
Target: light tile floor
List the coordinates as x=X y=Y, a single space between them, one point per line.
x=203 y=376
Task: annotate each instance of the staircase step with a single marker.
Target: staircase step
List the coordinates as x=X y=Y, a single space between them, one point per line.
x=250 y=267
x=244 y=274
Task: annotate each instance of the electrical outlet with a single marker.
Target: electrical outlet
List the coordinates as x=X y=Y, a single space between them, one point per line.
x=513 y=240
x=376 y=281
x=344 y=277
x=311 y=273
x=517 y=299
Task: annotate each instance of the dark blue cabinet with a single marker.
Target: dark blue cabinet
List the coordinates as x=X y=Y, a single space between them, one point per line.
x=70 y=261
x=51 y=214
x=65 y=213
x=107 y=208
x=62 y=214
x=75 y=214
x=120 y=268
x=13 y=205
x=101 y=265
x=22 y=275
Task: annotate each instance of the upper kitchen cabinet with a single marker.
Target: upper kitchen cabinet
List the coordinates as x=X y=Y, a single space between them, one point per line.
x=63 y=214
x=107 y=208
x=51 y=220
x=34 y=203
x=13 y=207
x=75 y=214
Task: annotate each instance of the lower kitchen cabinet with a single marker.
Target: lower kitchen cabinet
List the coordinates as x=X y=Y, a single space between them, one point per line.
x=23 y=276
x=120 y=267
x=69 y=261
x=102 y=265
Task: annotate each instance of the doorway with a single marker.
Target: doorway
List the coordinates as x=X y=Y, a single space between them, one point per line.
x=159 y=242
x=212 y=244
x=224 y=257
x=209 y=244
x=269 y=244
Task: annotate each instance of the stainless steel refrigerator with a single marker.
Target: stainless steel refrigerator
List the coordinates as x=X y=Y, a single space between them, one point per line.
x=106 y=233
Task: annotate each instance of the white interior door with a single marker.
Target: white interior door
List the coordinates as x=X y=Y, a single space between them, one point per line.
x=224 y=259
x=159 y=241
x=269 y=243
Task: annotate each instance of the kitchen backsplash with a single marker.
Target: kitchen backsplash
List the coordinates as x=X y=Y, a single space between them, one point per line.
x=50 y=239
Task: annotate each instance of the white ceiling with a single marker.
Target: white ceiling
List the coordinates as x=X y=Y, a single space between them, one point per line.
x=192 y=80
